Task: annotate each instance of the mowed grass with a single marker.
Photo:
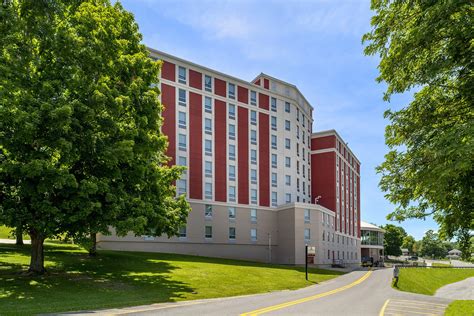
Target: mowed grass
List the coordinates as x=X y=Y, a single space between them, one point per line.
x=437 y=264
x=427 y=281
x=457 y=308
x=5 y=233
x=117 y=279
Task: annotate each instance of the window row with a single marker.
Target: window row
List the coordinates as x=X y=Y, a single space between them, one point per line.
x=208 y=233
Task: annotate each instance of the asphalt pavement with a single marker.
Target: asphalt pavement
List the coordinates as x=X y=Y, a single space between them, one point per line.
x=360 y=292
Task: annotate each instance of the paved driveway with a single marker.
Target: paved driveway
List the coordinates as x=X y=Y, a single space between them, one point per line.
x=356 y=293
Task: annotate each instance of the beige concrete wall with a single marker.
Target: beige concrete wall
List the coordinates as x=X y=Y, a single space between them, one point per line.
x=285 y=226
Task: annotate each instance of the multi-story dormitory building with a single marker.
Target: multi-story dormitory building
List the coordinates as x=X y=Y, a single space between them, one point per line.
x=261 y=185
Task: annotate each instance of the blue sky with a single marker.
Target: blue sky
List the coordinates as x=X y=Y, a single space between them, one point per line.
x=315 y=45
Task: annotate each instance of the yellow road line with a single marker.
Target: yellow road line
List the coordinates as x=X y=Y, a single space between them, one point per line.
x=382 y=311
x=306 y=299
x=431 y=308
x=410 y=312
x=418 y=302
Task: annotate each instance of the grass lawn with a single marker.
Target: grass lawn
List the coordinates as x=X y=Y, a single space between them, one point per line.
x=427 y=281
x=118 y=279
x=457 y=308
x=437 y=264
x=5 y=233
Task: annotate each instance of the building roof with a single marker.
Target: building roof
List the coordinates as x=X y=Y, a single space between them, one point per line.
x=454 y=251
x=368 y=226
x=334 y=132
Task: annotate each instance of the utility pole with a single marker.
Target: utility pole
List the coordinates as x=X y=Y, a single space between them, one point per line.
x=306 y=260
x=269 y=247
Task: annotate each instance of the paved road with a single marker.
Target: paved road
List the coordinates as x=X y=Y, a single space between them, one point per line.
x=356 y=293
x=462 y=290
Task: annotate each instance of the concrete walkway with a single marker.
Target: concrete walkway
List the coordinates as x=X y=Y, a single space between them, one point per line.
x=13 y=241
x=462 y=290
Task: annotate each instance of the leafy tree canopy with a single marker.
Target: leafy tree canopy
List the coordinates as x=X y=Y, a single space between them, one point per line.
x=393 y=239
x=432 y=246
x=80 y=140
x=409 y=243
x=428 y=46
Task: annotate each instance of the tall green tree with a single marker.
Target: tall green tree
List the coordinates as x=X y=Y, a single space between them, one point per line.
x=409 y=243
x=80 y=121
x=433 y=246
x=393 y=239
x=427 y=47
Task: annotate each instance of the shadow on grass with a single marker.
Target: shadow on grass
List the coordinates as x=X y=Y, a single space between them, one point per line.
x=77 y=282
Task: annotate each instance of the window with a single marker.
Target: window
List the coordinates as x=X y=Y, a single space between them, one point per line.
x=182 y=232
x=307 y=216
x=253 y=98
x=253 y=176
x=231 y=173
x=304 y=154
x=288 y=180
x=297 y=167
x=298 y=184
x=307 y=234
x=231 y=212
x=182 y=161
x=298 y=114
x=297 y=132
x=287 y=143
x=274 y=142
x=208 y=190
x=287 y=107
x=303 y=120
x=274 y=161
x=304 y=138
x=287 y=125
x=274 y=123
x=324 y=236
x=231 y=131
x=232 y=233
x=181 y=186
x=208 y=210
x=253 y=196
x=253 y=137
x=231 y=91
x=297 y=149
x=232 y=193
x=182 y=119
x=208 y=83
x=208 y=104
x=182 y=97
x=274 y=198
x=253 y=117
x=274 y=179
x=253 y=234
x=253 y=215
x=208 y=168
x=182 y=141
x=288 y=198
x=232 y=111
x=329 y=254
x=208 y=126
x=253 y=156
x=208 y=147
x=208 y=233
x=287 y=162
x=273 y=104
x=181 y=75
x=231 y=152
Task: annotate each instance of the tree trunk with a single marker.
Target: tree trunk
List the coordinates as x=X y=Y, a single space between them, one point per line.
x=37 y=253
x=19 y=236
x=93 y=247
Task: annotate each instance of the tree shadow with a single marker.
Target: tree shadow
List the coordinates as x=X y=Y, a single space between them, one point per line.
x=77 y=282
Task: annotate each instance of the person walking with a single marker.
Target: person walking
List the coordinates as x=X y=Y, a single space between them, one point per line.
x=396 y=272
